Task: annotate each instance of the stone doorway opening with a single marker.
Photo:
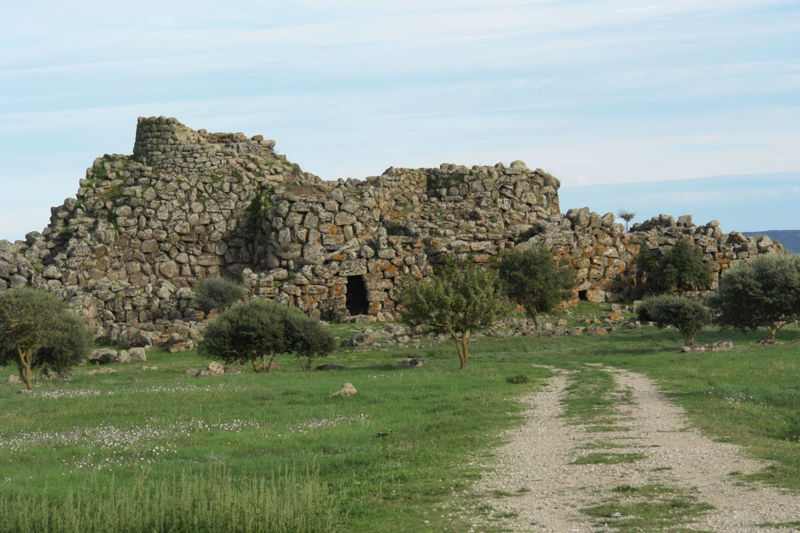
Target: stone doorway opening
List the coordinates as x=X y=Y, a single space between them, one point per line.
x=356 y=296
x=583 y=296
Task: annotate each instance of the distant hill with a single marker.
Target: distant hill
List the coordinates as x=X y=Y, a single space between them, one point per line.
x=790 y=238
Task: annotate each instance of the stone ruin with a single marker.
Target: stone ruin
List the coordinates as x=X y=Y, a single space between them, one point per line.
x=144 y=229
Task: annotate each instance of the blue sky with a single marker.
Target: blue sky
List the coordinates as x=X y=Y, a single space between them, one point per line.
x=600 y=91
x=743 y=202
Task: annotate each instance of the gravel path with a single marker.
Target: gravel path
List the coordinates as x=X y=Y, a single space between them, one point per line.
x=535 y=487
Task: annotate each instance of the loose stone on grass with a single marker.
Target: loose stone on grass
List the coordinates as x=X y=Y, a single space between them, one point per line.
x=346 y=390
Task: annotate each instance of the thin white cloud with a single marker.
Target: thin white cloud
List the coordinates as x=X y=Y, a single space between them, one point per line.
x=603 y=90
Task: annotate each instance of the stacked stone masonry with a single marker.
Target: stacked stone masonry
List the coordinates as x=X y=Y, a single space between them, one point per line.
x=144 y=229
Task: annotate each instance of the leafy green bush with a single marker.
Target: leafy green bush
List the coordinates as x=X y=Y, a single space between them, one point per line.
x=687 y=315
x=762 y=293
x=518 y=379
x=66 y=349
x=532 y=278
x=679 y=269
x=39 y=333
x=258 y=330
x=217 y=294
x=308 y=338
x=459 y=301
x=644 y=310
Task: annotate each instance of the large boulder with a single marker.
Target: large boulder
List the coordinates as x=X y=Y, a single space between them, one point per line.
x=103 y=356
x=137 y=354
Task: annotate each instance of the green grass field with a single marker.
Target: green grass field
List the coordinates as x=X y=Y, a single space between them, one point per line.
x=160 y=451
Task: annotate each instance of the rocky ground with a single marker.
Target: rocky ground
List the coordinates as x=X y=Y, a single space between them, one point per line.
x=535 y=484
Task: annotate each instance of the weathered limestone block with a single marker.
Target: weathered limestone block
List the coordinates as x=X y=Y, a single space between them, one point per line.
x=353 y=267
x=344 y=219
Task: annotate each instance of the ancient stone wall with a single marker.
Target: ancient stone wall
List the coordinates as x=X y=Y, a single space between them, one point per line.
x=144 y=229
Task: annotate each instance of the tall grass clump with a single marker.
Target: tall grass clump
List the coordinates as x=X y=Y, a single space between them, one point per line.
x=213 y=501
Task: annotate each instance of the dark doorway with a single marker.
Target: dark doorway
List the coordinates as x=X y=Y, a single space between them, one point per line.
x=582 y=296
x=356 y=296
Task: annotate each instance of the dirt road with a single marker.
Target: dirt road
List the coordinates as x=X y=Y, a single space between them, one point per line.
x=650 y=471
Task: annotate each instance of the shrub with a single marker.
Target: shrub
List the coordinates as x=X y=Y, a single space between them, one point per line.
x=532 y=278
x=762 y=293
x=679 y=269
x=39 y=333
x=66 y=349
x=253 y=331
x=217 y=294
x=459 y=301
x=308 y=337
x=645 y=310
x=518 y=379
x=256 y=331
x=681 y=312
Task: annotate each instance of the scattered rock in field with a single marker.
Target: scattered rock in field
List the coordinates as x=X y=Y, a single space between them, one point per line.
x=767 y=340
x=347 y=390
x=13 y=380
x=102 y=356
x=693 y=348
x=145 y=368
x=183 y=346
x=398 y=329
x=362 y=338
x=713 y=347
x=562 y=322
x=416 y=361
x=329 y=367
x=191 y=372
x=213 y=369
x=233 y=369
x=137 y=354
x=100 y=371
x=726 y=344
x=633 y=324
x=123 y=356
x=575 y=332
x=25 y=392
x=598 y=330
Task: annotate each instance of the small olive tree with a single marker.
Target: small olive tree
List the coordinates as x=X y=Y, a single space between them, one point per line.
x=68 y=348
x=39 y=333
x=687 y=315
x=459 y=301
x=258 y=330
x=532 y=278
x=309 y=338
x=679 y=269
x=252 y=331
x=762 y=293
x=217 y=294
x=627 y=216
